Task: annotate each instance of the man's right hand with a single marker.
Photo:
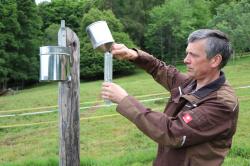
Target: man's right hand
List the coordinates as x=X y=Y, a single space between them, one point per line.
x=120 y=51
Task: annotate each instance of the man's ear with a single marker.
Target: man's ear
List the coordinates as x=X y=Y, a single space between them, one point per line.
x=216 y=61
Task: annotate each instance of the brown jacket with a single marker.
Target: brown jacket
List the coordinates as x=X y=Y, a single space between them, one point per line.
x=196 y=128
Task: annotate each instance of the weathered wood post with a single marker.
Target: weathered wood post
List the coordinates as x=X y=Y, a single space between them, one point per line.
x=68 y=101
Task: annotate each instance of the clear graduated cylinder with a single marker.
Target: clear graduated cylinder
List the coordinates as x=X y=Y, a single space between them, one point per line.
x=108 y=69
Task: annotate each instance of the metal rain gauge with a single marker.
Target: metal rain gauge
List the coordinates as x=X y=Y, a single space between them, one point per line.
x=102 y=40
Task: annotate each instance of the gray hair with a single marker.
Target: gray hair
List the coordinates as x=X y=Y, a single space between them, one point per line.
x=216 y=43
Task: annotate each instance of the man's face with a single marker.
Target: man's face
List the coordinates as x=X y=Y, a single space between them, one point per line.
x=198 y=66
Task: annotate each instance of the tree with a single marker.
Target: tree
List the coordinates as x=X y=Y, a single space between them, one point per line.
x=50 y=36
x=133 y=20
x=9 y=29
x=57 y=10
x=91 y=65
x=25 y=65
x=133 y=15
x=168 y=28
x=216 y=3
x=233 y=19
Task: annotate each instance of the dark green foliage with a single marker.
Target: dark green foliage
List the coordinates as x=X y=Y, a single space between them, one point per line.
x=57 y=10
x=91 y=66
x=157 y=26
x=133 y=15
x=133 y=20
x=216 y=3
x=19 y=41
x=233 y=18
x=26 y=65
x=168 y=28
x=9 y=30
x=50 y=35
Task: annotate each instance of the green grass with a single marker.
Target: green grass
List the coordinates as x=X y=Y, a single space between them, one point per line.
x=111 y=141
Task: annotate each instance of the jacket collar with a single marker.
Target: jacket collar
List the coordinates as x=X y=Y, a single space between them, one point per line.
x=192 y=96
x=195 y=97
x=211 y=87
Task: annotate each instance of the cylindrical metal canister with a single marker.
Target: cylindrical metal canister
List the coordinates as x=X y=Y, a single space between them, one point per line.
x=54 y=63
x=100 y=36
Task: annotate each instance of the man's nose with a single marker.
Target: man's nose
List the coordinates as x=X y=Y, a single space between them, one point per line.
x=186 y=59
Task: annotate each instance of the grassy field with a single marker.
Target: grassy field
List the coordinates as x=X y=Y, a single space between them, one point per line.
x=106 y=140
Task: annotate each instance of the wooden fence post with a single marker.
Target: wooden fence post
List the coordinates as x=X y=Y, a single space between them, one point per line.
x=68 y=101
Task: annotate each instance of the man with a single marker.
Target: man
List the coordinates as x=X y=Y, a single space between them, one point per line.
x=199 y=121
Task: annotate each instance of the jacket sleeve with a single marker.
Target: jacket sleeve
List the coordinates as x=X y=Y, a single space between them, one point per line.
x=201 y=124
x=166 y=75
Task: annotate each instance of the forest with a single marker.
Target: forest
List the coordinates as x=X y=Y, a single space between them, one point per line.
x=159 y=27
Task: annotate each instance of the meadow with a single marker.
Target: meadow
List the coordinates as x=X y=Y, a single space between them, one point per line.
x=106 y=138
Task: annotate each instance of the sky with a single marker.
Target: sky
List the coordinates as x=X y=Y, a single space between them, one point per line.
x=39 y=1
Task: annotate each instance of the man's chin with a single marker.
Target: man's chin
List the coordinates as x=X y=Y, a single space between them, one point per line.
x=189 y=74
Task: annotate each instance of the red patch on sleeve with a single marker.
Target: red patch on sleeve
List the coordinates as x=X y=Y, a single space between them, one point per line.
x=187 y=118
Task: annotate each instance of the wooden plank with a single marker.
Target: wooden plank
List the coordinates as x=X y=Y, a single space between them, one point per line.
x=68 y=101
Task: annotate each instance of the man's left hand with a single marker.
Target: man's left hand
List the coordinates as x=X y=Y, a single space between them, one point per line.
x=113 y=92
